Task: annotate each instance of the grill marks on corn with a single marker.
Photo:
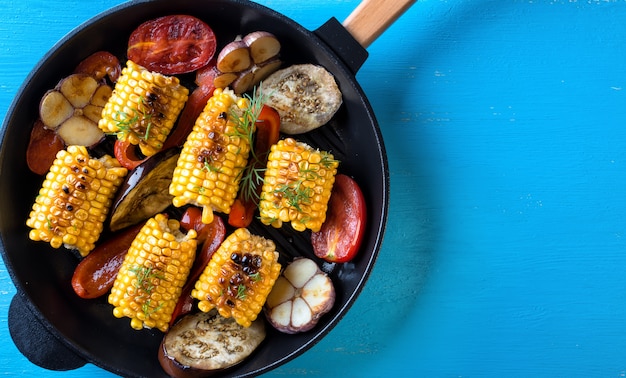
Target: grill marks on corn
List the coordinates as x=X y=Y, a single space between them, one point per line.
x=208 y=171
x=239 y=277
x=74 y=199
x=297 y=185
x=153 y=273
x=143 y=107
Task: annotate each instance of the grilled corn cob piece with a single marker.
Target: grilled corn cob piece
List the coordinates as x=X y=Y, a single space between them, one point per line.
x=214 y=156
x=297 y=185
x=239 y=277
x=74 y=199
x=153 y=273
x=143 y=107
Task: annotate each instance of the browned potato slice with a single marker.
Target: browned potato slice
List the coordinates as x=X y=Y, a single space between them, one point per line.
x=81 y=131
x=263 y=46
x=234 y=57
x=101 y=95
x=243 y=82
x=93 y=112
x=263 y=70
x=223 y=80
x=54 y=108
x=78 y=89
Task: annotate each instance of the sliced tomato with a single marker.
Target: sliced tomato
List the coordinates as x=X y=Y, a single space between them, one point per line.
x=99 y=65
x=172 y=45
x=267 y=133
x=42 y=148
x=211 y=236
x=340 y=237
x=127 y=154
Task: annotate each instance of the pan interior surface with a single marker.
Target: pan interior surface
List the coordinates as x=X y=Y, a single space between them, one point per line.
x=44 y=274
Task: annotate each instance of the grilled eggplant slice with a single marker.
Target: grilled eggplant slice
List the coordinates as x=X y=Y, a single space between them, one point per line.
x=145 y=191
x=202 y=344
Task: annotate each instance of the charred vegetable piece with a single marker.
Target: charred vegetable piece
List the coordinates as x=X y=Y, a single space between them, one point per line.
x=301 y=295
x=73 y=109
x=172 y=45
x=239 y=277
x=143 y=107
x=209 y=168
x=153 y=273
x=74 y=199
x=95 y=274
x=297 y=185
x=306 y=96
x=143 y=193
x=196 y=346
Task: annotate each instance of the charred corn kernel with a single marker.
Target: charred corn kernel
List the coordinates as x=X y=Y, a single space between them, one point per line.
x=153 y=273
x=74 y=199
x=143 y=107
x=239 y=277
x=214 y=155
x=297 y=185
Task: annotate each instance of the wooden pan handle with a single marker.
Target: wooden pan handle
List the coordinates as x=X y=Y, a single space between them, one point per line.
x=372 y=17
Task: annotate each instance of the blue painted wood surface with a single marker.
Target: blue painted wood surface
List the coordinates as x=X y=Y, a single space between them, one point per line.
x=505 y=125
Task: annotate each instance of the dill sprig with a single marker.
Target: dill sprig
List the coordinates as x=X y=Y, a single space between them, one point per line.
x=127 y=123
x=252 y=176
x=145 y=277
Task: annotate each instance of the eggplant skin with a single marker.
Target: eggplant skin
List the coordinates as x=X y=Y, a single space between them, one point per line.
x=203 y=344
x=145 y=192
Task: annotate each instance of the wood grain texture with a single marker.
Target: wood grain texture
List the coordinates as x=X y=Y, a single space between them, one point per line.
x=505 y=126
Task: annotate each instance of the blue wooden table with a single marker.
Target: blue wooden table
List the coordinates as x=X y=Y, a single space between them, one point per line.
x=505 y=126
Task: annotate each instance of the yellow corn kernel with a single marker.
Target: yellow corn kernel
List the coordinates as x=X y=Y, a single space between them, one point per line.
x=239 y=277
x=153 y=273
x=214 y=155
x=74 y=199
x=297 y=186
x=143 y=107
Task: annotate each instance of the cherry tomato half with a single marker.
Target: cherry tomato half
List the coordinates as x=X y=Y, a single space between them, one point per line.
x=172 y=45
x=340 y=237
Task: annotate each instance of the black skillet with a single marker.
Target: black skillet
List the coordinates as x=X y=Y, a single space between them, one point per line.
x=56 y=329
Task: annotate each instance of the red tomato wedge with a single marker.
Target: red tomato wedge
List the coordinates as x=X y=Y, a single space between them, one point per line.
x=195 y=105
x=172 y=45
x=99 y=65
x=340 y=237
x=211 y=236
x=95 y=274
x=267 y=133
